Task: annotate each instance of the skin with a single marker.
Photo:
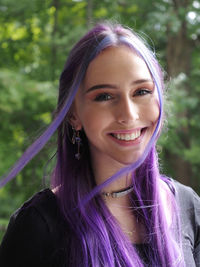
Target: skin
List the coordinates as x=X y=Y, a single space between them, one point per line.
x=117 y=96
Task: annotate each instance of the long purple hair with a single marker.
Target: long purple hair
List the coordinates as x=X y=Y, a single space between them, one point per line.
x=96 y=238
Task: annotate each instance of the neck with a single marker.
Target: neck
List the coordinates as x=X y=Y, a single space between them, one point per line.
x=104 y=168
x=118 y=187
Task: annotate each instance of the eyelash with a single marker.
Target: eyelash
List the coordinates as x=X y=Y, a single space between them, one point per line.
x=106 y=96
x=103 y=97
x=142 y=92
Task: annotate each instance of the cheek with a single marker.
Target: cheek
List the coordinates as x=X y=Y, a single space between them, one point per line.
x=90 y=120
x=152 y=111
x=94 y=117
x=155 y=110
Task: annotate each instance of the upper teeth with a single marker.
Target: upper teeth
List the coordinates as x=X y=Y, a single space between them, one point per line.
x=128 y=137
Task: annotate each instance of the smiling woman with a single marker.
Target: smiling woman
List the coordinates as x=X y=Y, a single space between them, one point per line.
x=108 y=205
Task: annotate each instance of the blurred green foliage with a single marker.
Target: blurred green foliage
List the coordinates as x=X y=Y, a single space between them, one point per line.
x=35 y=38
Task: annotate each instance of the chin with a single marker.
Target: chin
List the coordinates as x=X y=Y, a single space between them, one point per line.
x=127 y=162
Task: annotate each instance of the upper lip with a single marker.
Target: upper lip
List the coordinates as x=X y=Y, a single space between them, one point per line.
x=127 y=131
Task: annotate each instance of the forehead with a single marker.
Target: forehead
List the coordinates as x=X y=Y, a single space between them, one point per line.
x=114 y=62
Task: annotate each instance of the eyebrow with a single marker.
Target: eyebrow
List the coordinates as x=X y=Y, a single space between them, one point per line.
x=111 y=86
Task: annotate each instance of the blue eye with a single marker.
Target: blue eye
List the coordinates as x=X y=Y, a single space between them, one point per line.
x=103 y=97
x=142 y=92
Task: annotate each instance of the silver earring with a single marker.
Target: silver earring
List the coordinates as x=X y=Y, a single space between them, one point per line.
x=76 y=140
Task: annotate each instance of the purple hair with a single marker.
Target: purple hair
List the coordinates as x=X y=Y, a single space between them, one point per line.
x=96 y=238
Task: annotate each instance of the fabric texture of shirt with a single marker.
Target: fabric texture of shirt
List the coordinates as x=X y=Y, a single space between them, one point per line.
x=36 y=234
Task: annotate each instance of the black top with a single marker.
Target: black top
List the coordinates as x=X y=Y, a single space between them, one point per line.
x=35 y=234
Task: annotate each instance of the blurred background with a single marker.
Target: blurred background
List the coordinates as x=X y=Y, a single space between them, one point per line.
x=35 y=38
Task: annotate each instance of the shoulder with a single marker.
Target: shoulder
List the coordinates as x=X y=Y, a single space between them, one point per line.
x=33 y=233
x=40 y=213
x=42 y=206
x=43 y=211
x=188 y=201
x=186 y=196
x=189 y=210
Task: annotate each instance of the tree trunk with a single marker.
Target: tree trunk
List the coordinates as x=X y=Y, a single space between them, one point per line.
x=179 y=50
x=89 y=12
x=55 y=4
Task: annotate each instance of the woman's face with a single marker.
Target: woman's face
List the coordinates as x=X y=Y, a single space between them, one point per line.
x=117 y=106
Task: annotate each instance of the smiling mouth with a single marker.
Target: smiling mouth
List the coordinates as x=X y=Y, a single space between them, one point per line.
x=128 y=136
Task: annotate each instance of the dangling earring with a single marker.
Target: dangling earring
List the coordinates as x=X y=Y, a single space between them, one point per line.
x=76 y=140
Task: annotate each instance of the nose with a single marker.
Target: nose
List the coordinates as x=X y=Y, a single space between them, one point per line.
x=127 y=111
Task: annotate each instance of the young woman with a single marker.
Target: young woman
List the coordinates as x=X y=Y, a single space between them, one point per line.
x=108 y=204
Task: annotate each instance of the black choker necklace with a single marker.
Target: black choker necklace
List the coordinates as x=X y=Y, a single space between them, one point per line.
x=120 y=193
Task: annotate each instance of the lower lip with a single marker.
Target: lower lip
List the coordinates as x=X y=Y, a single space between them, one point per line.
x=130 y=142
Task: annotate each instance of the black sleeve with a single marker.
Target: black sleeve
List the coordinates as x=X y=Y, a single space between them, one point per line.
x=27 y=241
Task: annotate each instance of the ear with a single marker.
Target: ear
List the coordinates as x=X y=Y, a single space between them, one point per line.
x=74 y=120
